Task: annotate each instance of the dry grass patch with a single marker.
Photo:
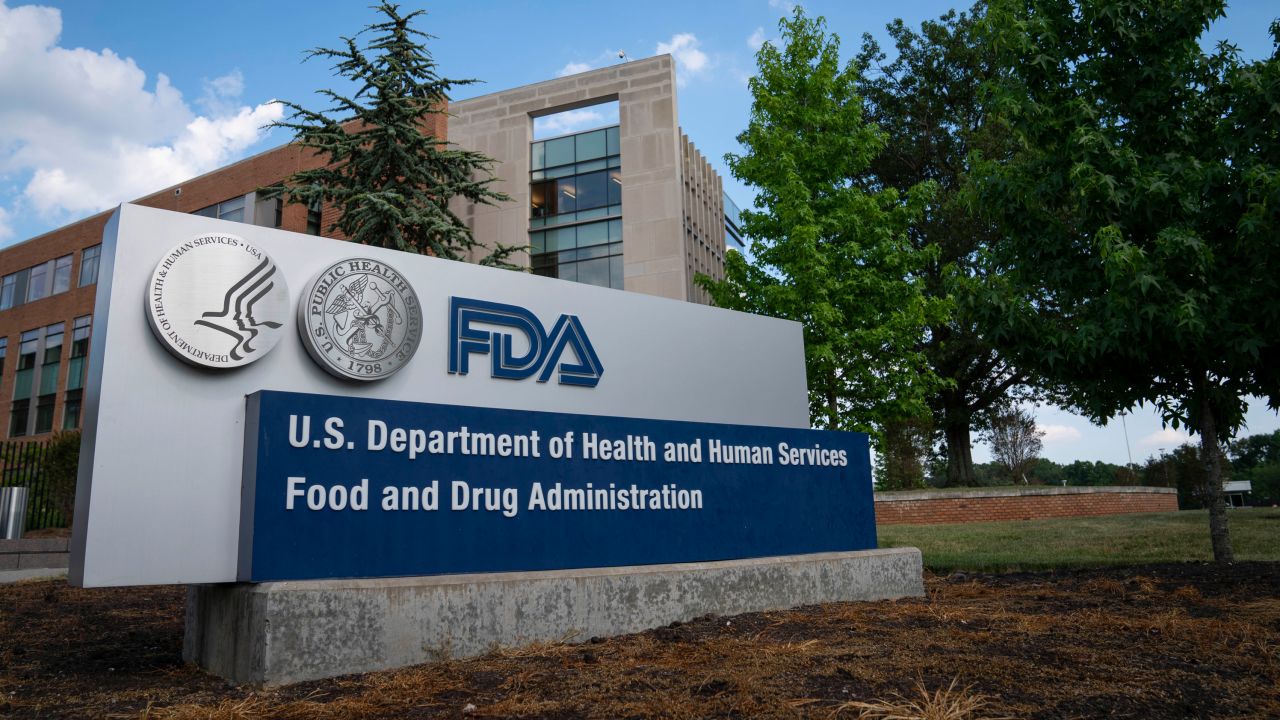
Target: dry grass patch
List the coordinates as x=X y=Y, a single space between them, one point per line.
x=1156 y=642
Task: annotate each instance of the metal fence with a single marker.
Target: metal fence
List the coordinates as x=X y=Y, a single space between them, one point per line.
x=22 y=465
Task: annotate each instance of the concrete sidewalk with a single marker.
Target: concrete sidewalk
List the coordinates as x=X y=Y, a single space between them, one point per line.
x=13 y=576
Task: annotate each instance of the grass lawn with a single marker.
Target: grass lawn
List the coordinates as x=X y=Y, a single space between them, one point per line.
x=1086 y=542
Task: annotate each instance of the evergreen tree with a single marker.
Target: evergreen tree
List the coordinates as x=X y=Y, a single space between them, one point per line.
x=390 y=179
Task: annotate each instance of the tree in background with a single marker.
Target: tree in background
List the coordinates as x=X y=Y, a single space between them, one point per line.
x=391 y=180
x=1141 y=203
x=1016 y=442
x=1257 y=459
x=1182 y=469
x=900 y=464
x=827 y=251
x=929 y=104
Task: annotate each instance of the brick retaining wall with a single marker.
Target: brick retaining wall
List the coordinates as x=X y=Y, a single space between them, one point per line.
x=934 y=507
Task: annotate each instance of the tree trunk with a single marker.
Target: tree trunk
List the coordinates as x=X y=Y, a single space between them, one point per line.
x=959 y=448
x=1219 y=532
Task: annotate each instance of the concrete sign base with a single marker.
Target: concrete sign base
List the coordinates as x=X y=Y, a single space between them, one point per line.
x=278 y=633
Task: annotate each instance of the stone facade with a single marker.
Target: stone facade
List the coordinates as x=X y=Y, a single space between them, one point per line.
x=667 y=188
x=703 y=220
x=993 y=504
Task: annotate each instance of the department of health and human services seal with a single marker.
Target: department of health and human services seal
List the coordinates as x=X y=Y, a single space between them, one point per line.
x=217 y=301
x=360 y=319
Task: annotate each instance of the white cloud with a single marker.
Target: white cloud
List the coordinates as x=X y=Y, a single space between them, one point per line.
x=1059 y=434
x=573 y=68
x=690 y=61
x=84 y=130
x=571 y=121
x=1167 y=438
x=222 y=94
x=786 y=6
x=757 y=39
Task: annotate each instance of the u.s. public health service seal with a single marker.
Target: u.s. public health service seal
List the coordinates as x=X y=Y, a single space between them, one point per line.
x=360 y=319
x=217 y=301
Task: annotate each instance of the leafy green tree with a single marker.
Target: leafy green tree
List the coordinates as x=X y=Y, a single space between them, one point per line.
x=1047 y=472
x=389 y=177
x=904 y=448
x=929 y=104
x=1141 y=202
x=1255 y=450
x=1184 y=469
x=1016 y=442
x=826 y=251
x=1256 y=458
x=1086 y=473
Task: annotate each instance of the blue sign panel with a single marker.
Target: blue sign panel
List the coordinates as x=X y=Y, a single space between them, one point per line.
x=340 y=487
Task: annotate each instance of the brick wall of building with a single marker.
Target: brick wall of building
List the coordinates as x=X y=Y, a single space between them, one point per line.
x=234 y=180
x=964 y=506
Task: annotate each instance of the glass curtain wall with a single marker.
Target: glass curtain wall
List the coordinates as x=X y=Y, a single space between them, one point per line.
x=575 y=206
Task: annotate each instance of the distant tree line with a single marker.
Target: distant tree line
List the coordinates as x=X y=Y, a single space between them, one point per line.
x=1255 y=458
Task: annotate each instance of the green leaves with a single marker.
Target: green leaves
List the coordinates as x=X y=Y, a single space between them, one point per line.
x=390 y=178
x=1142 y=203
x=825 y=251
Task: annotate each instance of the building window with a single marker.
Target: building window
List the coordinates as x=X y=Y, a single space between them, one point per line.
x=24 y=383
x=732 y=224
x=575 y=178
x=48 y=382
x=77 y=367
x=589 y=253
x=89 y=265
x=575 y=201
x=44 y=413
x=36 y=282
x=36 y=380
x=62 y=274
x=4 y=351
x=232 y=210
x=18 y=418
x=9 y=290
x=315 y=214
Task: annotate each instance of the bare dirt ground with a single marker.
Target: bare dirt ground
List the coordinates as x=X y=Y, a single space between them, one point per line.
x=1167 y=641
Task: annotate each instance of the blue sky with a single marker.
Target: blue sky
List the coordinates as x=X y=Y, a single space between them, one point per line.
x=101 y=102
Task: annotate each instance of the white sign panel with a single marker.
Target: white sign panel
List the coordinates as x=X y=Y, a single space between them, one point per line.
x=158 y=498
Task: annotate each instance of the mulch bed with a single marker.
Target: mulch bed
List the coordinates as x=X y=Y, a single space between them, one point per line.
x=1167 y=641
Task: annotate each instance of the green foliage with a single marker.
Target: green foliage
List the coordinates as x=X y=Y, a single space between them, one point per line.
x=1142 y=199
x=900 y=464
x=1183 y=468
x=391 y=180
x=1046 y=472
x=1266 y=484
x=828 y=252
x=61 y=464
x=1257 y=459
x=1016 y=442
x=928 y=102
